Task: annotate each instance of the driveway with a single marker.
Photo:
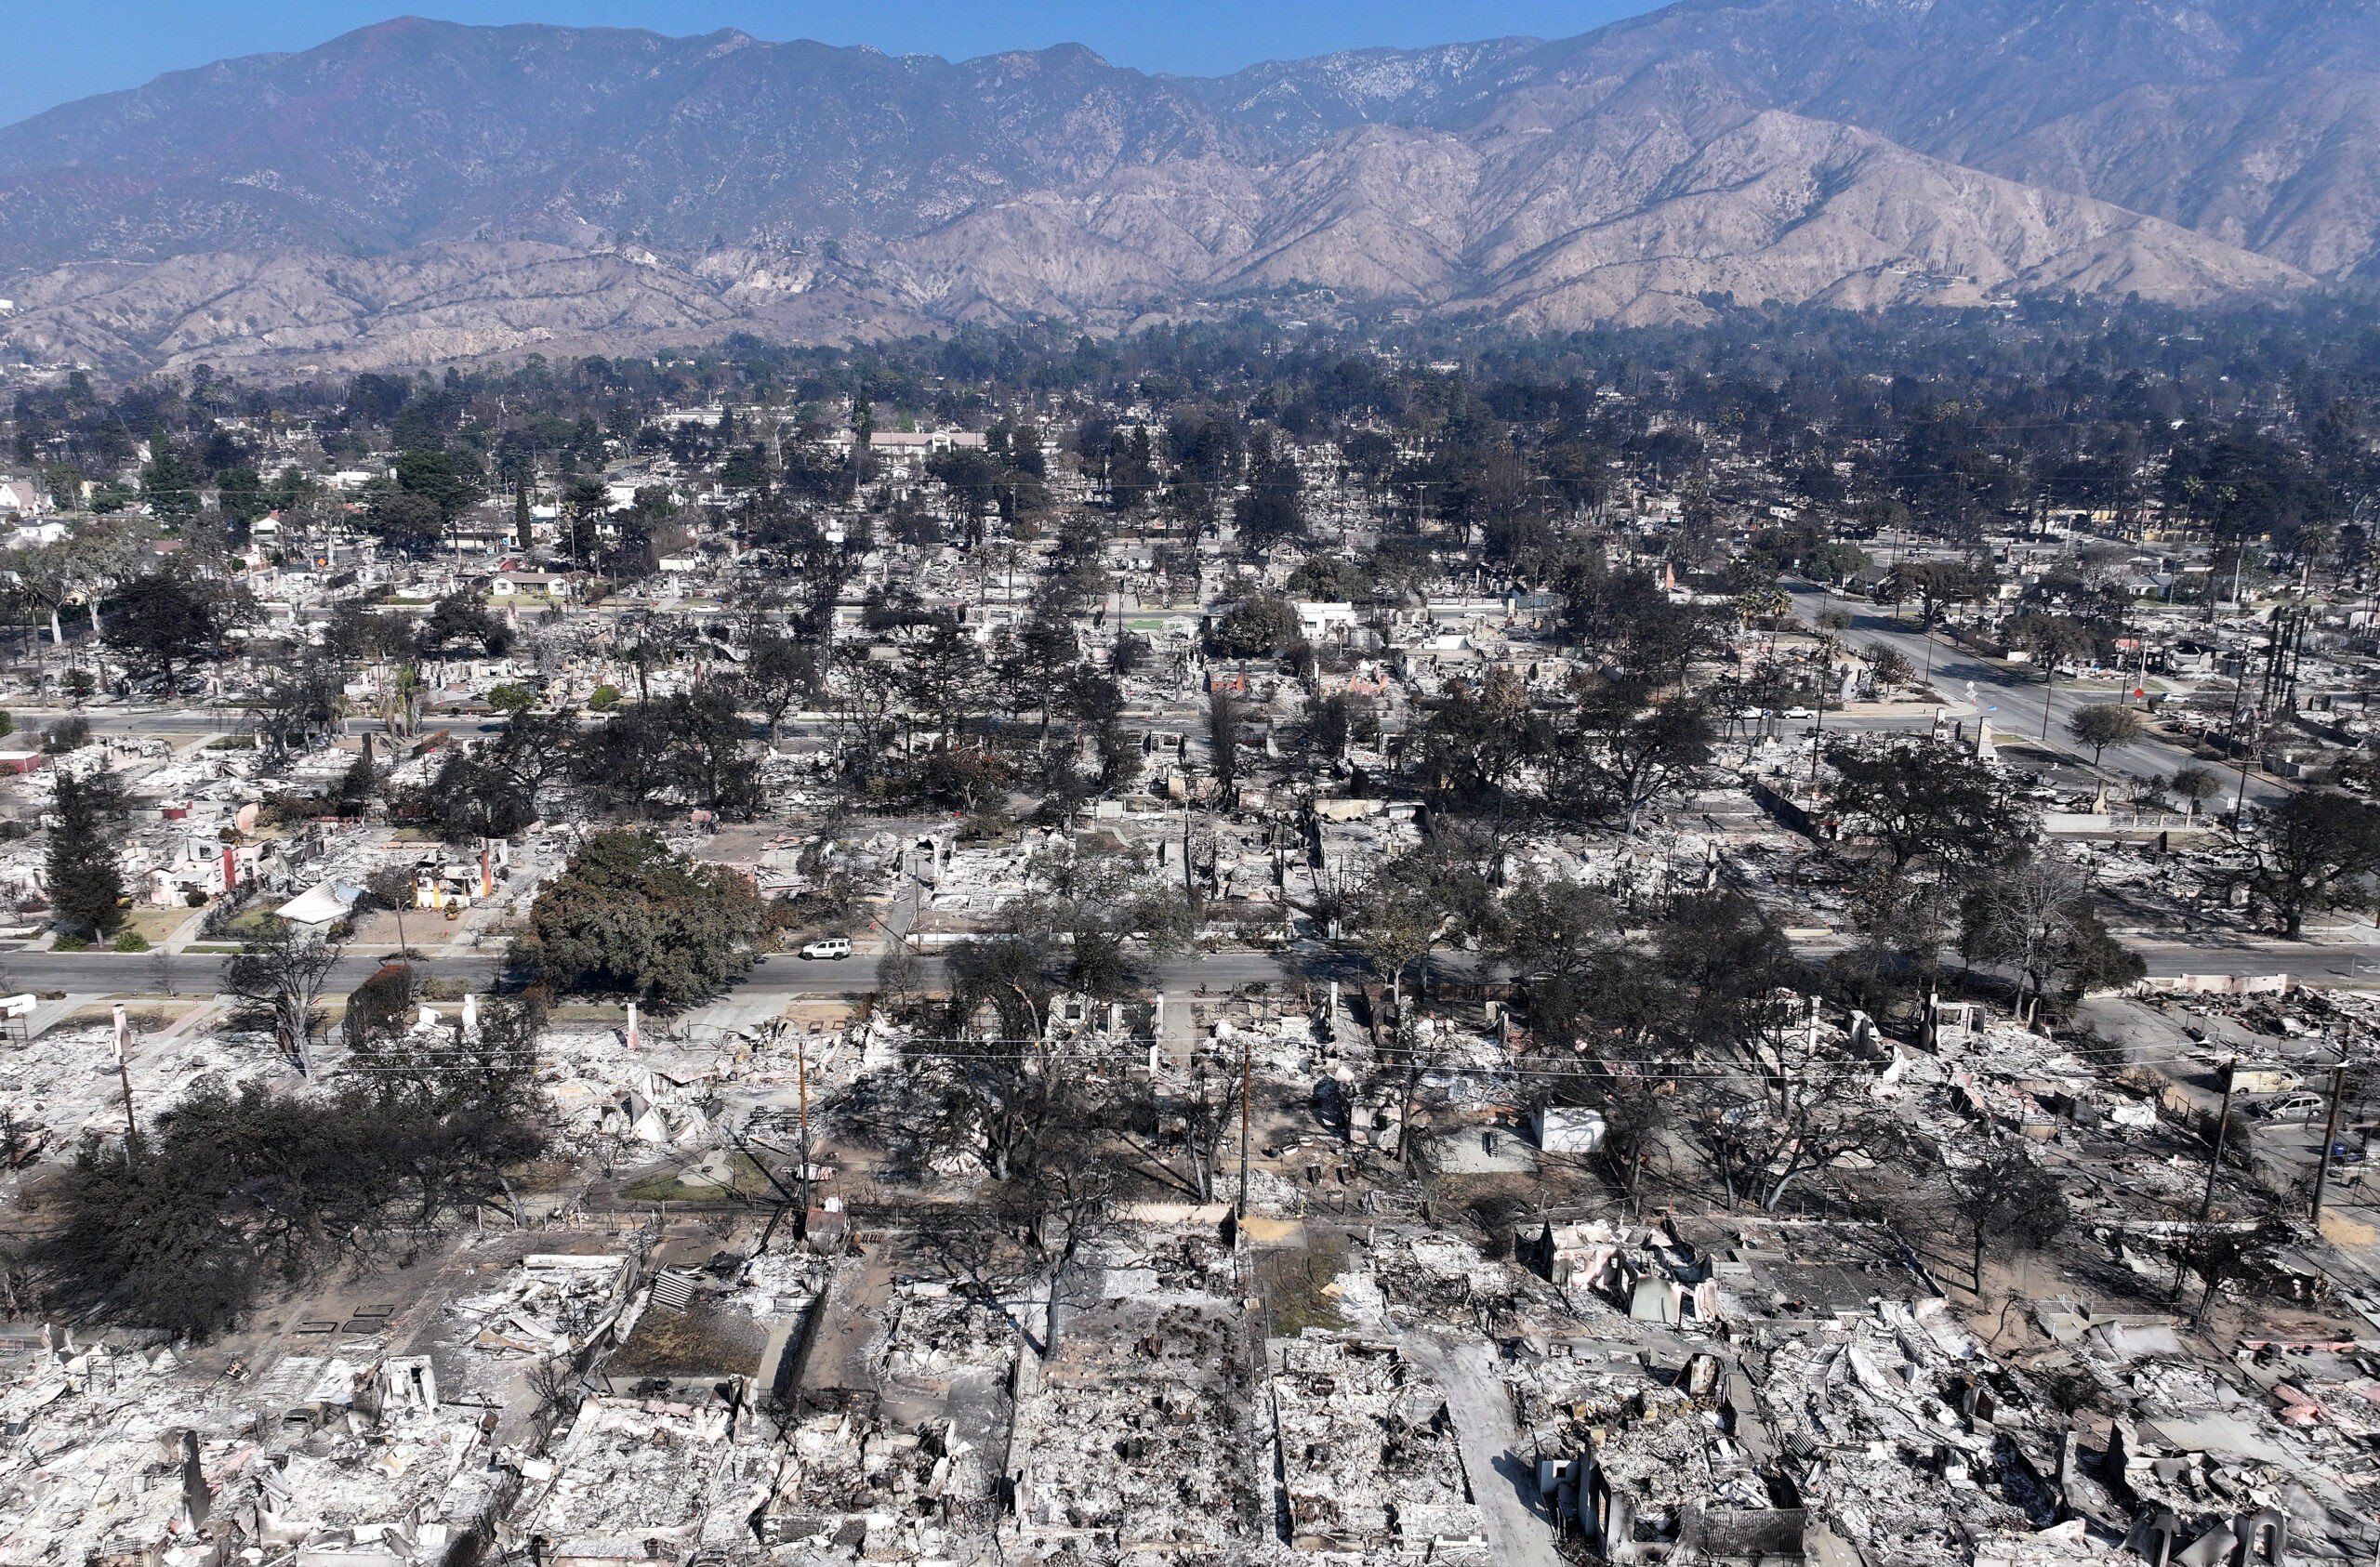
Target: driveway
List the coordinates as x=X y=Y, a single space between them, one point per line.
x=1505 y=1481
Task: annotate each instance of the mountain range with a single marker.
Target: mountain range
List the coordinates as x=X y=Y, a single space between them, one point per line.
x=419 y=191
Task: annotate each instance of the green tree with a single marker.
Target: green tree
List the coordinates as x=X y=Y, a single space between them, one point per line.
x=779 y=671
x=970 y=479
x=160 y=622
x=239 y=494
x=1936 y=583
x=2194 y=787
x=463 y=618
x=1414 y=902
x=627 y=913
x=231 y=1191
x=1626 y=751
x=2052 y=639
x=2102 y=724
x=1041 y=655
x=942 y=669
x=1272 y=509
x=1836 y=560
x=171 y=487
x=86 y=892
x=708 y=746
x=962 y=777
x=1563 y=943
x=1258 y=625
x=437 y=478
x=1131 y=469
x=406 y=522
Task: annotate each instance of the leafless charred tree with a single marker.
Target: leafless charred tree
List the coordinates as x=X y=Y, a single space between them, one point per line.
x=284 y=972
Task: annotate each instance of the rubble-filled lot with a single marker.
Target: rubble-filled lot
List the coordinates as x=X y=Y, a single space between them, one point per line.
x=1245 y=1069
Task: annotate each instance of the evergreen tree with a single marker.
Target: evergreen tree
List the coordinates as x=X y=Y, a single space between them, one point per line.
x=631 y=914
x=86 y=889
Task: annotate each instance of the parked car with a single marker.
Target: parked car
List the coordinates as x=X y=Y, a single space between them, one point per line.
x=833 y=946
x=1799 y=714
x=2290 y=1107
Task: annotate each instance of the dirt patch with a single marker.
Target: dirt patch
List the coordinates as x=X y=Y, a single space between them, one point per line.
x=149 y=1018
x=732 y=1175
x=1296 y=1283
x=2342 y=1231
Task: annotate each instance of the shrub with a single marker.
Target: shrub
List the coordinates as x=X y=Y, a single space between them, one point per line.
x=131 y=941
x=72 y=943
x=603 y=697
x=988 y=826
x=67 y=735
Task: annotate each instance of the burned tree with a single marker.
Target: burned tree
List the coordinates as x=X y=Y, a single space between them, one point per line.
x=2314 y=851
x=2035 y=915
x=284 y=972
x=2008 y=1203
x=1924 y=800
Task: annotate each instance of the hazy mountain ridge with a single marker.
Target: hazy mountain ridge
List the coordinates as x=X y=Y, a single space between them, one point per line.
x=2254 y=122
x=421 y=190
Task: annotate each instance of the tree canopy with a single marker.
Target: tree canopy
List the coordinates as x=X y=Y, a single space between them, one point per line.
x=631 y=914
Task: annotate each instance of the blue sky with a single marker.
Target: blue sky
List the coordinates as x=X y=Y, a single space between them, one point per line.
x=60 y=51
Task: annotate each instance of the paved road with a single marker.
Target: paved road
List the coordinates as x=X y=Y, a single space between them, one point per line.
x=94 y=973
x=191 y=973
x=201 y=973
x=141 y=718
x=2011 y=701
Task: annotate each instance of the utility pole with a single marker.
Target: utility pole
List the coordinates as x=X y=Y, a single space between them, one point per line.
x=1818 y=729
x=2214 y=1164
x=1245 y=1076
x=2330 y=1132
x=123 y=1076
x=801 y=1073
x=2221 y=1132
